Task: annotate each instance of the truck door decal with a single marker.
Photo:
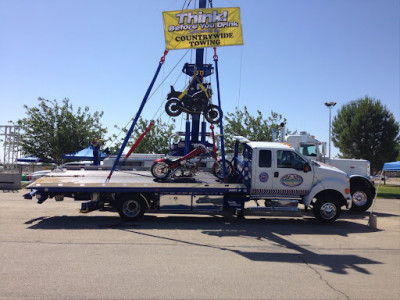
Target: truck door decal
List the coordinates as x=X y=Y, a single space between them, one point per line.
x=291 y=180
x=263 y=177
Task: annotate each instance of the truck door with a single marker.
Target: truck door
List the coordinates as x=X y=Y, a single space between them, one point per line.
x=262 y=172
x=290 y=176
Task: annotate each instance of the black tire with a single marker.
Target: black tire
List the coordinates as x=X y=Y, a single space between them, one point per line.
x=173 y=107
x=362 y=197
x=59 y=197
x=212 y=114
x=160 y=170
x=327 y=209
x=217 y=169
x=131 y=209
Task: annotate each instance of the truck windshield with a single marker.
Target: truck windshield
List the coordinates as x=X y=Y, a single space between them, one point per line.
x=308 y=150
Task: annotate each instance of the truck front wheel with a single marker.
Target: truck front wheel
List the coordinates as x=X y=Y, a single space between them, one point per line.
x=326 y=209
x=361 y=197
x=131 y=209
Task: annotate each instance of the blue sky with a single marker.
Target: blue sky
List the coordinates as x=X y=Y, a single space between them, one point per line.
x=296 y=56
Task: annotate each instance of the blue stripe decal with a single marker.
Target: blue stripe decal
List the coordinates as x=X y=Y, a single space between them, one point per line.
x=279 y=192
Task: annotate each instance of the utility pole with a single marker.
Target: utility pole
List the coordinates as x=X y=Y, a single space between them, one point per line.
x=330 y=105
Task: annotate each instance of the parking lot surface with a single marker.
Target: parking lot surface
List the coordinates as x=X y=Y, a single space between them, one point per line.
x=51 y=251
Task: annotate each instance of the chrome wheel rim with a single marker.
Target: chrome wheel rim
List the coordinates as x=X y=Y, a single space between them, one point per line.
x=328 y=210
x=359 y=198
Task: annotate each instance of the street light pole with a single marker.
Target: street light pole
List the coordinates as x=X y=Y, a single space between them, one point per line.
x=330 y=105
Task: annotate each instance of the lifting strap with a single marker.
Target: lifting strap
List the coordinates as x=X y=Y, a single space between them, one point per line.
x=187 y=89
x=139 y=140
x=128 y=135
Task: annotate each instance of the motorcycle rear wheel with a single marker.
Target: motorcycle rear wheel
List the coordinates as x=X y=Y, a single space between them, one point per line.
x=212 y=114
x=217 y=169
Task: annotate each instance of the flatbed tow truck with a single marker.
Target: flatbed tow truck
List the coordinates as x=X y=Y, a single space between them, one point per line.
x=262 y=177
x=273 y=174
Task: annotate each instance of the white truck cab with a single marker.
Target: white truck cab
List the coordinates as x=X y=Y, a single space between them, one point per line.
x=277 y=172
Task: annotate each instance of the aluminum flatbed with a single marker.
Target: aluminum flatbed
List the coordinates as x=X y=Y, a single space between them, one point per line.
x=78 y=181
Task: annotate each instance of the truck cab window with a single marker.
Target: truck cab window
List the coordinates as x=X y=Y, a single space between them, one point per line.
x=265 y=159
x=289 y=159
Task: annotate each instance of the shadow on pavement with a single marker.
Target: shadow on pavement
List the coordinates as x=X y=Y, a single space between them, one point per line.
x=272 y=230
x=285 y=226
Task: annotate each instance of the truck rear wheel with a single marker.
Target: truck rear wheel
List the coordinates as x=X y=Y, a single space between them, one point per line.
x=361 y=197
x=326 y=209
x=131 y=209
x=218 y=171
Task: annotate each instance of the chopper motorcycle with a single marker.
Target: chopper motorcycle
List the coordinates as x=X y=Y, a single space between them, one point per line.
x=183 y=166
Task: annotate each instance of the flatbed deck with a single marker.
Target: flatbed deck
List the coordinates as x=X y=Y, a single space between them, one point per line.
x=131 y=181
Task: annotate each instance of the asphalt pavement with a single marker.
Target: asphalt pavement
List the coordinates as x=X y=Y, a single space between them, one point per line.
x=51 y=251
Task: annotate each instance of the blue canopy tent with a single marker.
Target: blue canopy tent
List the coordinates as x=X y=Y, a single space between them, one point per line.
x=84 y=154
x=391 y=166
x=387 y=167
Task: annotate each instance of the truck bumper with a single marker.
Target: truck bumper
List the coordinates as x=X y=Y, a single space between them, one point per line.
x=349 y=203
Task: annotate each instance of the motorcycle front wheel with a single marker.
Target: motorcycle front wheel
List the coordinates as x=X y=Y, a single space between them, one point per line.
x=173 y=107
x=160 y=170
x=212 y=114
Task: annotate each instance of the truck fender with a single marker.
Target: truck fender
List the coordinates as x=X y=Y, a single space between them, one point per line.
x=364 y=179
x=329 y=185
x=159 y=160
x=142 y=196
x=362 y=191
x=145 y=200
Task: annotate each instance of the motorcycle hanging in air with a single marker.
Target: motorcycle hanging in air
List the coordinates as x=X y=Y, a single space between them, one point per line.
x=183 y=166
x=199 y=102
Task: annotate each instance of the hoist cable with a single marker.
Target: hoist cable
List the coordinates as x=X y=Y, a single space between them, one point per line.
x=162 y=82
x=127 y=124
x=220 y=114
x=128 y=135
x=240 y=76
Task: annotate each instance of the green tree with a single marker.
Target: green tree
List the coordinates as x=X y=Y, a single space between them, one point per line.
x=254 y=128
x=366 y=129
x=155 y=141
x=52 y=129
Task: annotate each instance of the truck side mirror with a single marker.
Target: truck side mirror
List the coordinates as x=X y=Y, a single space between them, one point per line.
x=323 y=150
x=306 y=167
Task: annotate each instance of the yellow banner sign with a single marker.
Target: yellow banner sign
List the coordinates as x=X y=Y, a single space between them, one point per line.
x=201 y=28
